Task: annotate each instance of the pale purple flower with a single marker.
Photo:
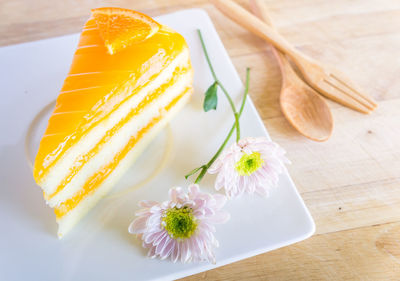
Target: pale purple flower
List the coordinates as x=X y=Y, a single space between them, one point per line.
x=251 y=165
x=181 y=228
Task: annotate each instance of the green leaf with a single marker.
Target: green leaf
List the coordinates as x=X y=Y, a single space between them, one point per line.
x=211 y=98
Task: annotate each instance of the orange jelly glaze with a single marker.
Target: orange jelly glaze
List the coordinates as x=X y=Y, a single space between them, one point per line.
x=94 y=181
x=97 y=84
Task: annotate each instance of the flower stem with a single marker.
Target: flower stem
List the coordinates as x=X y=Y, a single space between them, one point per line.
x=235 y=113
x=221 y=148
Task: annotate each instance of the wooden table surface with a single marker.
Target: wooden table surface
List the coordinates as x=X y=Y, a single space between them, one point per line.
x=351 y=183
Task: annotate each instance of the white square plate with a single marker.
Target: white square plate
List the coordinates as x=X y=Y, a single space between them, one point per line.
x=100 y=248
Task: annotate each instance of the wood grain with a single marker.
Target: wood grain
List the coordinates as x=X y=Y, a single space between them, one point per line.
x=351 y=183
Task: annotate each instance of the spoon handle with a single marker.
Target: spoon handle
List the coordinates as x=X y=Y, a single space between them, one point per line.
x=257 y=26
x=259 y=8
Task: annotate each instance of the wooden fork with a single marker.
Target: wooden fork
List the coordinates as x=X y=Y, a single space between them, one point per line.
x=324 y=79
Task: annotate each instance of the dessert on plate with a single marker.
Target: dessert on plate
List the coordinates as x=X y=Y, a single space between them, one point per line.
x=129 y=76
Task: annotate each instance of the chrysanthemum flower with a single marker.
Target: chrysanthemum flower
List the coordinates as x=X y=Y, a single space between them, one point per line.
x=181 y=228
x=251 y=165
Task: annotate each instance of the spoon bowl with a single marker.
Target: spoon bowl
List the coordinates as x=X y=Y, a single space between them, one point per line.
x=302 y=106
x=305 y=110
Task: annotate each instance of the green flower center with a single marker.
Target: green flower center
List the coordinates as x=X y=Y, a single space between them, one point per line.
x=249 y=163
x=179 y=222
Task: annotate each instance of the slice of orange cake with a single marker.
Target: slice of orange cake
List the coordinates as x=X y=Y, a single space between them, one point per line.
x=129 y=76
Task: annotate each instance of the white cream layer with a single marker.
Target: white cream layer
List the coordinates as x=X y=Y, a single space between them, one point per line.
x=58 y=172
x=118 y=141
x=66 y=222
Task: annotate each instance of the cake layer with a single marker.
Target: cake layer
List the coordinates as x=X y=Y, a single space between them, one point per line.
x=100 y=82
x=71 y=211
x=110 y=107
x=72 y=157
x=117 y=137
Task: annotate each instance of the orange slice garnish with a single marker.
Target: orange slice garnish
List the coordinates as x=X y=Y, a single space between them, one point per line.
x=121 y=28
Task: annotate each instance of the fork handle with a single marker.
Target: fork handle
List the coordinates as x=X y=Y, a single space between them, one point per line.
x=258 y=27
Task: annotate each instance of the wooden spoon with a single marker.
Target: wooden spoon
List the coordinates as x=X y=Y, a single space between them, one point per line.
x=302 y=106
x=323 y=78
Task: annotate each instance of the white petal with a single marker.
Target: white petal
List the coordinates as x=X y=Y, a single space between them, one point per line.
x=215 y=167
x=143 y=212
x=210 y=255
x=172 y=194
x=160 y=238
x=199 y=203
x=220 y=201
x=208 y=212
x=148 y=238
x=219 y=182
x=251 y=184
x=155 y=209
x=138 y=225
x=152 y=252
x=219 y=217
x=194 y=189
x=168 y=249
x=176 y=252
x=147 y=203
x=154 y=219
x=205 y=227
x=161 y=244
x=184 y=251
